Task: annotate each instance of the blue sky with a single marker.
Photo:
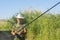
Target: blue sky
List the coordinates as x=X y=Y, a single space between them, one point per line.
x=8 y=8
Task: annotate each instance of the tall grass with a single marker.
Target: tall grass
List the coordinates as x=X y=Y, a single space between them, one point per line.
x=46 y=27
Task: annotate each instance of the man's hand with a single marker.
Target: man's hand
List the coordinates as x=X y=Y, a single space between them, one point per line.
x=25 y=30
x=13 y=33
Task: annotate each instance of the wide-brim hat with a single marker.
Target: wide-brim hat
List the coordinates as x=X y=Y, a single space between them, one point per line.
x=20 y=16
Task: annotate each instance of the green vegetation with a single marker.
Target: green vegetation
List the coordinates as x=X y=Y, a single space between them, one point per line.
x=46 y=27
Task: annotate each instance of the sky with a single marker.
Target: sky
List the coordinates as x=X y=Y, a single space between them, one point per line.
x=8 y=8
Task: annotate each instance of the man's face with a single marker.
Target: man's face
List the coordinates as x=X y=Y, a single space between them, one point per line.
x=19 y=20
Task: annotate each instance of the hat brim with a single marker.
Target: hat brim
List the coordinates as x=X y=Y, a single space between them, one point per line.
x=20 y=17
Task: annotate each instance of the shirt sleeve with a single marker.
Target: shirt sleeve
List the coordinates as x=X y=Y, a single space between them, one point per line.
x=13 y=27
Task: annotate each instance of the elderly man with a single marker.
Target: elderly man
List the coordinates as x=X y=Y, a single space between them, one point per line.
x=20 y=34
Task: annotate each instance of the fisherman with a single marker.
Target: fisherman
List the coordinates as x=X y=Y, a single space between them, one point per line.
x=20 y=34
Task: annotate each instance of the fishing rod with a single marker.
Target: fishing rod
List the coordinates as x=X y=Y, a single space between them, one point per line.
x=39 y=16
x=42 y=14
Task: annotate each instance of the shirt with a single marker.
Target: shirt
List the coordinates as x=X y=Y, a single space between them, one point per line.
x=17 y=27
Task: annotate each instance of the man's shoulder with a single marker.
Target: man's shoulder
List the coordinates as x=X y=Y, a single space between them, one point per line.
x=14 y=25
x=23 y=25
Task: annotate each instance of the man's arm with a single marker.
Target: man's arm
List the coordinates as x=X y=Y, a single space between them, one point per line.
x=25 y=30
x=12 y=31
